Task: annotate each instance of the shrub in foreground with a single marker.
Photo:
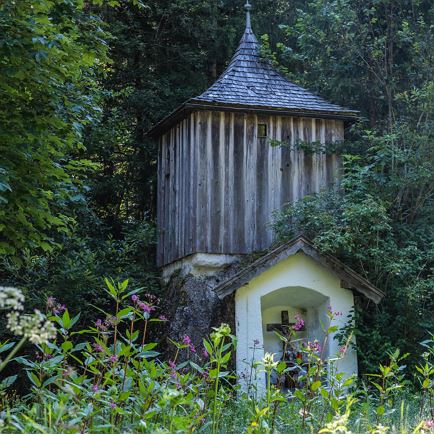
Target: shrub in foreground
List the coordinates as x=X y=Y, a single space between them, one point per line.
x=108 y=378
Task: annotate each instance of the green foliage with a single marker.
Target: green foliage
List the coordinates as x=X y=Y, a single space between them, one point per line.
x=375 y=56
x=361 y=53
x=77 y=173
x=74 y=273
x=108 y=378
x=379 y=220
x=87 y=220
x=51 y=53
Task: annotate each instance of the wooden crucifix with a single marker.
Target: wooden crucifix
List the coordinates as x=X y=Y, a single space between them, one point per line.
x=289 y=354
x=283 y=326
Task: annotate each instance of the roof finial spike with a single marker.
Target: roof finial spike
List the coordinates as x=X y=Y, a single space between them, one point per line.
x=248 y=8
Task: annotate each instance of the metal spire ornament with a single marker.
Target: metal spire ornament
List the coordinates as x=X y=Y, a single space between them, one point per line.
x=248 y=8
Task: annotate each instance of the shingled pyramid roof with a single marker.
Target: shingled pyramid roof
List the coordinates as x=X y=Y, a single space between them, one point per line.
x=251 y=83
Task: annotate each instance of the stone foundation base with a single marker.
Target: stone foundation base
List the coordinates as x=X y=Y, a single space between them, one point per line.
x=193 y=308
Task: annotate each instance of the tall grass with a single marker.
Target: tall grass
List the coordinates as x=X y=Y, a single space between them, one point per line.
x=108 y=379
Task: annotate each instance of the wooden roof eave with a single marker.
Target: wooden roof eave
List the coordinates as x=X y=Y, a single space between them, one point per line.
x=168 y=121
x=349 y=278
x=193 y=105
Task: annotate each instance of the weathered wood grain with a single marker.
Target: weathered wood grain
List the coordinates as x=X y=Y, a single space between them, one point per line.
x=216 y=148
x=219 y=183
x=239 y=184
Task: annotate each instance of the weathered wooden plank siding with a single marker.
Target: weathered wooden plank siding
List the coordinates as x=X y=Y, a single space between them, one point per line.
x=160 y=200
x=228 y=203
x=219 y=183
x=262 y=182
x=238 y=185
x=202 y=186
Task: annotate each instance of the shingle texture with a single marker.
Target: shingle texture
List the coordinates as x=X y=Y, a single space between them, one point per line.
x=252 y=81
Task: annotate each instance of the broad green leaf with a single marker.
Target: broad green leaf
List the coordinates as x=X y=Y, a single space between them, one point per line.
x=380 y=410
x=315 y=385
x=33 y=378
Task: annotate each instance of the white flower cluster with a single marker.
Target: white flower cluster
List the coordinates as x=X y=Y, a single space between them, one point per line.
x=34 y=327
x=11 y=298
x=268 y=361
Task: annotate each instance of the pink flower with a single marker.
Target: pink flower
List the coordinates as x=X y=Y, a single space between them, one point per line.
x=163 y=318
x=95 y=388
x=146 y=308
x=315 y=346
x=101 y=325
x=186 y=340
x=192 y=348
x=134 y=298
x=330 y=311
x=205 y=354
x=172 y=364
x=51 y=302
x=112 y=405
x=110 y=321
x=59 y=309
x=97 y=347
x=343 y=349
x=113 y=358
x=299 y=324
x=55 y=307
x=429 y=424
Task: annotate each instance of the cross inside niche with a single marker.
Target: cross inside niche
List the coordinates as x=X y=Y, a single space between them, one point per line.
x=284 y=326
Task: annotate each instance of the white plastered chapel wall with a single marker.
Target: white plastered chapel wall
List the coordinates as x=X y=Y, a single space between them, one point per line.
x=296 y=283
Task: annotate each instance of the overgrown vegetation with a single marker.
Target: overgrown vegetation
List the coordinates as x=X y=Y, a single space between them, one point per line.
x=51 y=54
x=82 y=81
x=379 y=219
x=108 y=378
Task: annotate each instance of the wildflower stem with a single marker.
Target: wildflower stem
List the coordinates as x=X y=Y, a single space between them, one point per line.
x=144 y=332
x=176 y=355
x=12 y=353
x=127 y=358
x=116 y=328
x=249 y=386
x=216 y=387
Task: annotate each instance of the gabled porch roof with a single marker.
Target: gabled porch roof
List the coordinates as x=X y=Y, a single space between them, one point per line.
x=349 y=278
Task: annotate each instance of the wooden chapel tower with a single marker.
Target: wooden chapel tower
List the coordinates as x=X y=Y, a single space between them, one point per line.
x=220 y=179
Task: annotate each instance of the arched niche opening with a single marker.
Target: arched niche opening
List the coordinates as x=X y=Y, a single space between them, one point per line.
x=288 y=302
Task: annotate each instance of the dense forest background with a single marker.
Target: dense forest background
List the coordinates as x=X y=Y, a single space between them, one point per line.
x=81 y=82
